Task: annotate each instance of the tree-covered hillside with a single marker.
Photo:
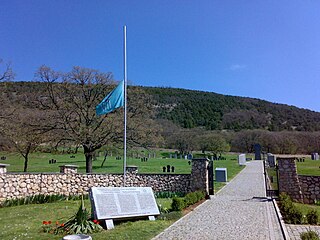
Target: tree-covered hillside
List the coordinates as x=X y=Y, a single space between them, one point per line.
x=189 y=109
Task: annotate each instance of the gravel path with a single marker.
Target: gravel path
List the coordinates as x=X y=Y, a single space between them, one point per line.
x=238 y=211
x=295 y=230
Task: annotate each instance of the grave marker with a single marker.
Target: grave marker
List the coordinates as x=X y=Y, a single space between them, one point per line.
x=257 y=151
x=242 y=159
x=314 y=156
x=221 y=175
x=271 y=160
x=111 y=203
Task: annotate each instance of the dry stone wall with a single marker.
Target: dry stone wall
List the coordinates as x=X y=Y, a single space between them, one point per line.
x=199 y=176
x=310 y=186
x=301 y=188
x=288 y=178
x=27 y=184
x=69 y=182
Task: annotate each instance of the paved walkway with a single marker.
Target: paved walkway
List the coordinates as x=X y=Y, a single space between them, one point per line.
x=238 y=211
x=294 y=231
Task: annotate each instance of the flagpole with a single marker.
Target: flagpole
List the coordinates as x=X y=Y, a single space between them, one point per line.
x=125 y=105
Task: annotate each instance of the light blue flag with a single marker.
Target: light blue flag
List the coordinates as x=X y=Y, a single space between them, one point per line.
x=112 y=101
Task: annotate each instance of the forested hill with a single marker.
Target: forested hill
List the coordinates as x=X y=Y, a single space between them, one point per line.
x=189 y=109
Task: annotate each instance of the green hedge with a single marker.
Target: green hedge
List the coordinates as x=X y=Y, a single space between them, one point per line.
x=40 y=198
x=179 y=204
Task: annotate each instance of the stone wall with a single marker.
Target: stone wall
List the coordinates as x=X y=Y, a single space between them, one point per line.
x=27 y=184
x=288 y=178
x=199 y=176
x=69 y=182
x=310 y=186
x=301 y=188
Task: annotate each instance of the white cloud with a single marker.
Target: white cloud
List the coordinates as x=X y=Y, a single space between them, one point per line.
x=236 y=67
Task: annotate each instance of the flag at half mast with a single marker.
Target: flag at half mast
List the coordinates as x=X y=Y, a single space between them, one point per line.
x=112 y=101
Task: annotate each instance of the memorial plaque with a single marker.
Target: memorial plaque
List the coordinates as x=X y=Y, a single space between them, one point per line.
x=123 y=202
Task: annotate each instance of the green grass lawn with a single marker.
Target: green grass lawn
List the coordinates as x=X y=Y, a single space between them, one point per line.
x=25 y=222
x=39 y=162
x=309 y=167
x=305 y=208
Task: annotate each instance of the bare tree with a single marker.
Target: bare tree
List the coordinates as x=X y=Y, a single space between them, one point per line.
x=6 y=73
x=18 y=129
x=73 y=97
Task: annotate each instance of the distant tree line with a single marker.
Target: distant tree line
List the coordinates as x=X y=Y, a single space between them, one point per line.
x=190 y=109
x=213 y=142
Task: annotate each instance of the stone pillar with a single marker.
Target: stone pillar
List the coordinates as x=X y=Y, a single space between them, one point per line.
x=199 y=175
x=288 y=178
x=132 y=169
x=3 y=168
x=68 y=169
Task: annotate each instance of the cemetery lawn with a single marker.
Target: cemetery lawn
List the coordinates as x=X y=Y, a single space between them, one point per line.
x=25 y=222
x=39 y=162
x=309 y=167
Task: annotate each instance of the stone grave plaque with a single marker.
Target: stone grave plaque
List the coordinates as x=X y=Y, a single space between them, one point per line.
x=242 y=159
x=271 y=160
x=123 y=202
x=221 y=175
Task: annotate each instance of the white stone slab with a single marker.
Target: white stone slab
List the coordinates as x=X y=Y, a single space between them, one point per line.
x=123 y=202
x=242 y=159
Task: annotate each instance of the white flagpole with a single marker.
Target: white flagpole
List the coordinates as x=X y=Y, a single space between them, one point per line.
x=125 y=105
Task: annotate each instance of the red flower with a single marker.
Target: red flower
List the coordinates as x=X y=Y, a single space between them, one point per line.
x=95 y=221
x=62 y=224
x=49 y=222
x=57 y=222
x=44 y=222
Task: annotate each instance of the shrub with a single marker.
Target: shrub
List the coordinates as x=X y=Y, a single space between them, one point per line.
x=295 y=216
x=290 y=212
x=190 y=198
x=169 y=194
x=200 y=195
x=309 y=235
x=177 y=204
x=312 y=217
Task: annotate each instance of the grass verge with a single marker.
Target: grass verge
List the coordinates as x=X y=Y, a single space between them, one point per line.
x=25 y=222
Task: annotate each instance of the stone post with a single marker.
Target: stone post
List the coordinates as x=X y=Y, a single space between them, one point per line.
x=199 y=175
x=68 y=169
x=288 y=178
x=3 y=168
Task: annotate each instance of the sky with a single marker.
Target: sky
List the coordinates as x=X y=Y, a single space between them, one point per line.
x=253 y=48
